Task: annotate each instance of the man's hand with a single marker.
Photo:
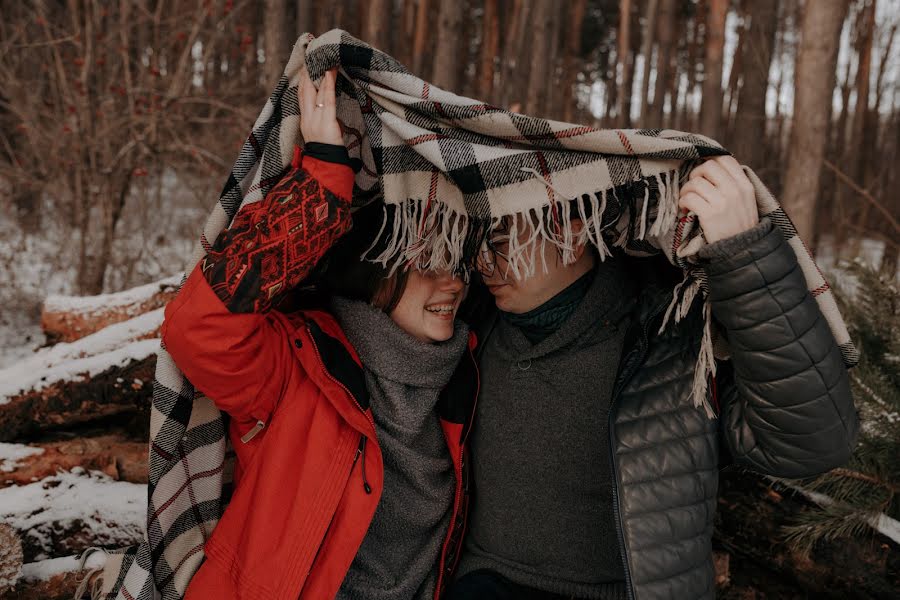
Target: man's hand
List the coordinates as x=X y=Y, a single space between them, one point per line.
x=318 y=119
x=722 y=197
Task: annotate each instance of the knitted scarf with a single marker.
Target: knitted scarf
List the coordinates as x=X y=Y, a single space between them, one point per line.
x=447 y=169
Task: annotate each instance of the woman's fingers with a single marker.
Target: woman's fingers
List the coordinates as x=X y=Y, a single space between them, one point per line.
x=318 y=118
x=325 y=99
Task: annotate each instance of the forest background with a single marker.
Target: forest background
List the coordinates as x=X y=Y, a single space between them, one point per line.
x=119 y=121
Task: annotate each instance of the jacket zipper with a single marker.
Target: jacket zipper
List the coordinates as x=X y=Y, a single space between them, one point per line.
x=458 y=496
x=631 y=369
x=253 y=431
x=361 y=450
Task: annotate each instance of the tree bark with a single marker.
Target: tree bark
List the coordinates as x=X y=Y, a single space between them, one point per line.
x=665 y=31
x=625 y=62
x=66 y=319
x=121 y=457
x=572 y=58
x=276 y=40
x=711 y=100
x=815 y=80
x=445 y=70
x=750 y=121
x=514 y=82
x=420 y=41
x=543 y=59
x=648 y=34
x=376 y=26
x=490 y=39
x=121 y=392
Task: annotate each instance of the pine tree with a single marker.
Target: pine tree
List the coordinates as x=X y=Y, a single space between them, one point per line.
x=870 y=484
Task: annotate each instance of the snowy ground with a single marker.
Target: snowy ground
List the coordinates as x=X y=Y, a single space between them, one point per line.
x=112 y=512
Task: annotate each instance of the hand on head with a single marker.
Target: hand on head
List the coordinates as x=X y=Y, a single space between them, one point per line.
x=722 y=197
x=318 y=113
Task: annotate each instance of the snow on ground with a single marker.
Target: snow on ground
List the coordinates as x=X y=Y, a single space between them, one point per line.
x=10 y=454
x=114 y=512
x=43 y=570
x=89 y=355
x=103 y=302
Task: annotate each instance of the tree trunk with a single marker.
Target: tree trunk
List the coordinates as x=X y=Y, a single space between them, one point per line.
x=647 y=52
x=66 y=318
x=276 y=40
x=542 y=54
x=625 y=67
x=815 y=80
x=490 y=39
x=121 y=457
x=421 y=39
x=750 y=122
x=445 y=70
x=867 y=130
x=376 y=26
x=665 y=31
x=305 y=18
x=122 y=390
x=572 y=59
x=711 y=99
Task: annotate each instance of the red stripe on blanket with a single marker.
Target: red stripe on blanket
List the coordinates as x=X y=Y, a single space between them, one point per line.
x=820 y=290
x=167 y=503
x=625 y=143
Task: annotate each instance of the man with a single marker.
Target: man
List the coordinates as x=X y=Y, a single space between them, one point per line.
x=594 y=474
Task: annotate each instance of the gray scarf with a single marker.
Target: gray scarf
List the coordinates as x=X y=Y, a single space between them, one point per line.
x=398 y=557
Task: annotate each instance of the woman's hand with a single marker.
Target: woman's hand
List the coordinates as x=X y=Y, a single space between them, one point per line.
x=318 y=118
x=722 y=197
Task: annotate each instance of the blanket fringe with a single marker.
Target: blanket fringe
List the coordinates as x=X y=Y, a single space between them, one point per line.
x=683 y=296
x=434 y=236
x=93 y=578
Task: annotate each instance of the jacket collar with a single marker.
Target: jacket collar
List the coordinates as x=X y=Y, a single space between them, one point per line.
x=457 y=399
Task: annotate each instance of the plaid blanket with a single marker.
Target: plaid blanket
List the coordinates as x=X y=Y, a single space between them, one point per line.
x=447 y=169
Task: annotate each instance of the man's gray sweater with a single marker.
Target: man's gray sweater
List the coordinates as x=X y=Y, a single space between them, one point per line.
x=545 y=519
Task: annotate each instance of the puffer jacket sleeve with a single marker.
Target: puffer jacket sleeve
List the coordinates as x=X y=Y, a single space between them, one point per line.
x=785 y=401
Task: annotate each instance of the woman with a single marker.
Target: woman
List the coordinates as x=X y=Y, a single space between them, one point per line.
x=349 y=423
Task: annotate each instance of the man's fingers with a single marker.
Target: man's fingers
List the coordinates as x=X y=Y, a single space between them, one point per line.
x=703 y=188
x=693 y=202
x=715 y=173
x=730 y=164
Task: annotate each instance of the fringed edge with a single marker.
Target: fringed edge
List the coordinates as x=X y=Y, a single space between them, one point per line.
x=93 y=578
x=432 y=236
x=683 y=296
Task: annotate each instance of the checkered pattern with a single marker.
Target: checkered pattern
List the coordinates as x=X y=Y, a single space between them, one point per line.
x=450 y=168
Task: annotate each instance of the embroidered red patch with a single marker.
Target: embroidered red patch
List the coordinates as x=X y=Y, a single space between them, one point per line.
x=321 y=212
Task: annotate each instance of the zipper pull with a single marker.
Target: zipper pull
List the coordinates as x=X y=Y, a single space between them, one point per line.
x=362 y=451
x=256 y=429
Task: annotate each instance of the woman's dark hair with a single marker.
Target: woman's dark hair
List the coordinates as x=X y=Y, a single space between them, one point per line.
x=347 y=274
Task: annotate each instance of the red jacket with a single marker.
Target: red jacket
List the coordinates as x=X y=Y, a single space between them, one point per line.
x=308 y=471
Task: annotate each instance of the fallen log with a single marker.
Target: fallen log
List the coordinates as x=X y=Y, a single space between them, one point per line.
x=106 y=374
x=68 y=512
x=55 y=578
x=10 y=558
x=115 y=455
x=69 y=318
x=751 y=514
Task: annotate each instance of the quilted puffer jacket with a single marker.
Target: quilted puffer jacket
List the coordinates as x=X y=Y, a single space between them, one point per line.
x=782 y=402
x=784 y=409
